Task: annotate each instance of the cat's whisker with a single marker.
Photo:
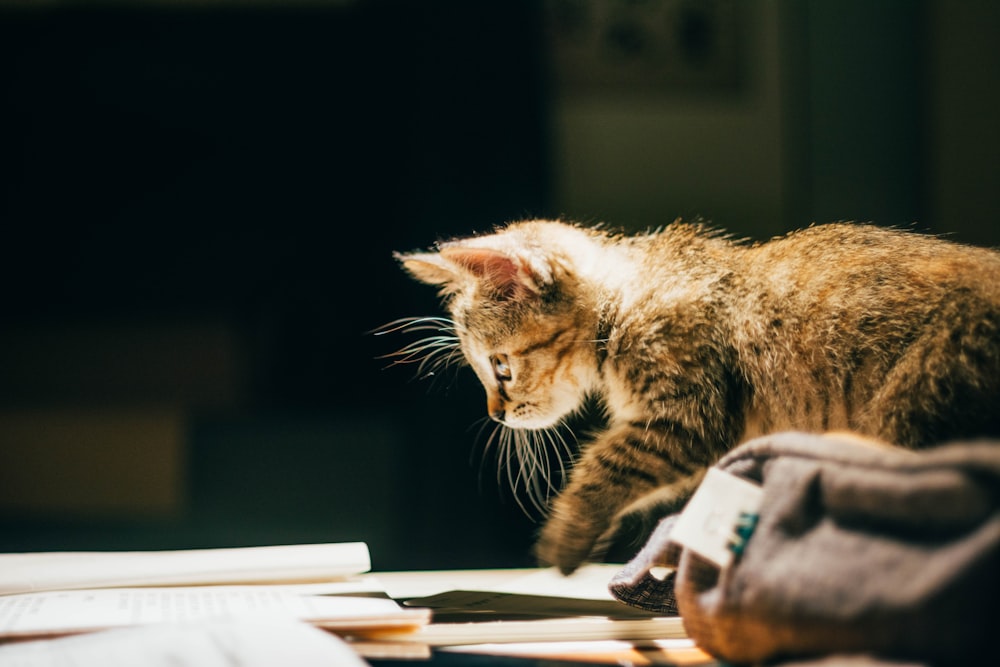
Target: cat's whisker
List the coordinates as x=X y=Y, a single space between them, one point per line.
x=526 y=458
x=531 y=472
x=503 y=460
x=517 y=439
x=542 y=486
x=483 y=423
x=447 y=358
x=436 y=360
x=561 y=450
x=510 y=464
x=553 y=483
x=416 y=358
x=566 y=450
x=423 y=345
x=510 y=451
x=525 y=464
x=531 y=466
x=408 y=324
x=505 y=468
x=493 y=437
x=431 y=354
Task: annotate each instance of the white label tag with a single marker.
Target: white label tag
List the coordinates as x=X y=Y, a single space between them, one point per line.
x=711 y=523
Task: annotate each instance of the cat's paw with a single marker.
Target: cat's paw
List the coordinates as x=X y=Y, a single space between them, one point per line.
x=567 y=544
x=571 y=539
x=565 y=555
x=631 y=527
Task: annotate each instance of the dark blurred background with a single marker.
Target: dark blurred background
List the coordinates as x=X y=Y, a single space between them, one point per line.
x=199 y=202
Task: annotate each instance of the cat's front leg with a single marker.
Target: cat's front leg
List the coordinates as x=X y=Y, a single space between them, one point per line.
x=633 y=524
x=631 y=467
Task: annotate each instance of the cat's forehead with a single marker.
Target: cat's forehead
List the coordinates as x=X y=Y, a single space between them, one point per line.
x=487 y=323
x=507 y=330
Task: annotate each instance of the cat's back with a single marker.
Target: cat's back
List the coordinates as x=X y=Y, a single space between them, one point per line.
x=892 y=333
x=864 y=260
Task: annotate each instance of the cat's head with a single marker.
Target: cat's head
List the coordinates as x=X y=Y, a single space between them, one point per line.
x=520 y=312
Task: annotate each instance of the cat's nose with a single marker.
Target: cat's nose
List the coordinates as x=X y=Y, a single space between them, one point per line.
x=495 y=407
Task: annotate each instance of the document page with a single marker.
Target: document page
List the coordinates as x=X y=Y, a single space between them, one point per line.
x=67 y=612
x=217 y=644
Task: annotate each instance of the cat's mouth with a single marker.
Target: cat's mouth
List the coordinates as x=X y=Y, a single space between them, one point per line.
x=527 y=416
x=531 y=424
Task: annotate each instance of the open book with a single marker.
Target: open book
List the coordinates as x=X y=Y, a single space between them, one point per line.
x=50 y=594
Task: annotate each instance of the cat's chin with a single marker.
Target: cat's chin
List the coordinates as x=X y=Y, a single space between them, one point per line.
x=545 y=415
x=533 y=423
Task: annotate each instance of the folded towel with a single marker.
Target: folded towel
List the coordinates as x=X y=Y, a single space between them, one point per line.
x=857 y=548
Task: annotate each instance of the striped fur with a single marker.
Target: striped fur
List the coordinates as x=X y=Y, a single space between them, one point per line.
x=694 y=342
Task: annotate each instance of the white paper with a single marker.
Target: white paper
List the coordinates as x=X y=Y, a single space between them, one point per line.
x=224 y=643
x=23 y=573
x=589 y=582
x=65 y=612
x=708 y=523
x=546 y=630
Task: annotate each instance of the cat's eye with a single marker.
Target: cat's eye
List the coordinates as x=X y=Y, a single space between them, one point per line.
x=501 y=369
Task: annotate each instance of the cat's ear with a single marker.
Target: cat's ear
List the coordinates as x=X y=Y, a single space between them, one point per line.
x=506 y=276
x=429 y=267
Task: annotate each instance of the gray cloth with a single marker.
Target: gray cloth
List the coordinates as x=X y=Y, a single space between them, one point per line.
x=859 y=549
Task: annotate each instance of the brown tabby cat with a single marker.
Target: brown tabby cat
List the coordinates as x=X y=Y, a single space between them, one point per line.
x=694 y=342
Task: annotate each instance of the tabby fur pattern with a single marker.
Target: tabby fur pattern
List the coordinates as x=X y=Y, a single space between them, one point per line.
x=694 y=342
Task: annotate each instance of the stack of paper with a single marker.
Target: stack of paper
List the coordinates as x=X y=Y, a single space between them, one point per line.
x=51 y=594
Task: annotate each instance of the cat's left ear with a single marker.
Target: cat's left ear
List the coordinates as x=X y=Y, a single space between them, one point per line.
x=509 y=277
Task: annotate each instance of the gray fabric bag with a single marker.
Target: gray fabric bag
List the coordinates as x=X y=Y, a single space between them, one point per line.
x=858 y=549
